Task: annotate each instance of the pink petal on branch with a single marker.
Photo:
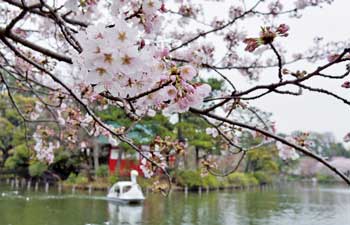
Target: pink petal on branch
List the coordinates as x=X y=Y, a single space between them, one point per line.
x=332 y=58
x=188 y=72
x=282 y=30
x=346 y=84
x=252 y=44
x=347 y=138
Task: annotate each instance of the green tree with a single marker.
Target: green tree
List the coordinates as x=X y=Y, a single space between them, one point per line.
x=12 y=135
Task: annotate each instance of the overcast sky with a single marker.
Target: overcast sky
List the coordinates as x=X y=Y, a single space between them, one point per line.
x=313 y=111
x=309 y=112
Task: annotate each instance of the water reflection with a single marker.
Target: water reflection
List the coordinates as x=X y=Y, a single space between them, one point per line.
x=287 y=205
x=120 y=213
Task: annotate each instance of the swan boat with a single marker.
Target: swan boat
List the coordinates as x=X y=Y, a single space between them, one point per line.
x=126 y=191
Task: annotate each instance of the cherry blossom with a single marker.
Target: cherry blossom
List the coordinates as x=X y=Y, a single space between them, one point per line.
x=212 y=131
x=267 y=36
x=286 y=152
x=44 y=148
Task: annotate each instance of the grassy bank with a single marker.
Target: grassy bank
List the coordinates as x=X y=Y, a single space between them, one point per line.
x=193 y=180
x=190 y=179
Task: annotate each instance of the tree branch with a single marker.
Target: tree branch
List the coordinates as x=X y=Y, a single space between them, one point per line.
x=277 y=138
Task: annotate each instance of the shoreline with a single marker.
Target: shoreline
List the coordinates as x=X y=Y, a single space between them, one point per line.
x=62 y=186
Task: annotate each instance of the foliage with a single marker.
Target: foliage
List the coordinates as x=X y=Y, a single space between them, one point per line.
x=10 y=163
x=324 y=178
x=190 y=178
x=19 y=157
x=67 y=161
x=237 y=178
x=12 y=132
x=150 y=127
x=144 y=132
x=241 y=179
x=112 y=179
x=252 y=181
x=6 y=128
x=193 y=179
x=262 y=159
x=81 y=180
x=102 y=171
x=216 y=84
x=210 y=181
x=71 y=178
x=36 y=169
x=263 y=178
x=114 y=114
x=145 y=182
x=194 y=130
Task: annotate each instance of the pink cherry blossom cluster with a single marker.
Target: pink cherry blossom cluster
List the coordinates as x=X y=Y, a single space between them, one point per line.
x=198 y=54
x=286 y=152
x=212 y=131
x=143 y=14
x=112 y=61
x=44 y=147
x=73 y=120
x=303 y=139
x=157 y=152
x=86 y=9
x=117 y=60
x=147 y=168
x=185 y=95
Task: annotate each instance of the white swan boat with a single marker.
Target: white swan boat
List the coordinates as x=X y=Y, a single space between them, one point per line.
x=126 y=191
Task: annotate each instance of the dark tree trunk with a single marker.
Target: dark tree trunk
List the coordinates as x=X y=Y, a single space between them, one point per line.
x=197 y=156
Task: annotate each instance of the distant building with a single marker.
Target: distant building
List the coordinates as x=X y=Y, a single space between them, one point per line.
x=117 y=159
x=122 y=163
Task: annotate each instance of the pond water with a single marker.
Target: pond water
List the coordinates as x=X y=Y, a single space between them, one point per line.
x=291 y=204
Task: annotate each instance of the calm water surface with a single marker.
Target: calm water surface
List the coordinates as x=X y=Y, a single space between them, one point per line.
x=287 y=205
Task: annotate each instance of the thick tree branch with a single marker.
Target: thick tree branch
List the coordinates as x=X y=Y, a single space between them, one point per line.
x=35 y=47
